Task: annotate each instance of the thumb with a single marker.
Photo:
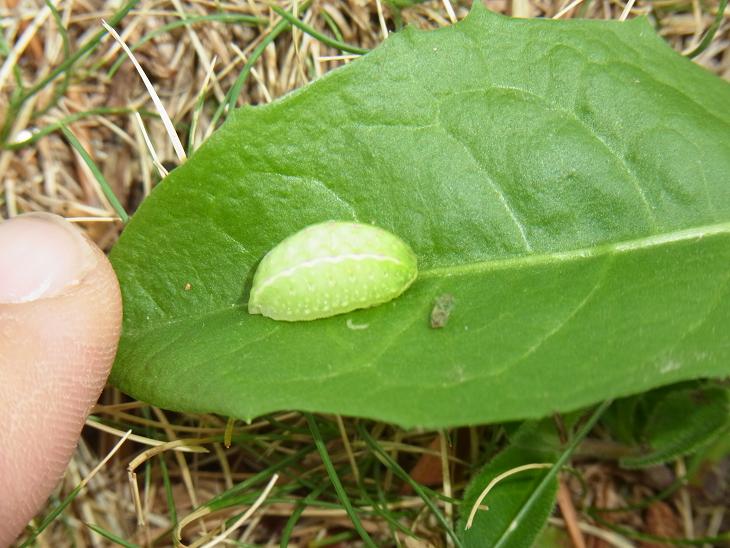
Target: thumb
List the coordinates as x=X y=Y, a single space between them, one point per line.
x=60 y=315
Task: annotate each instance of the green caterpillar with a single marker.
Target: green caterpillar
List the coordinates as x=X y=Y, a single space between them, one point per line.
x=331 y=268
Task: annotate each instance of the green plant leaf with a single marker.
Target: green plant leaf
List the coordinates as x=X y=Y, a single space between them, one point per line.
x=625 y=418
x=507 y=497
x=680 y=423
x=565 y=181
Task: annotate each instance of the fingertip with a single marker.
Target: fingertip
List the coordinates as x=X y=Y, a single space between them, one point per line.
x=40 y=256
x=60 y=319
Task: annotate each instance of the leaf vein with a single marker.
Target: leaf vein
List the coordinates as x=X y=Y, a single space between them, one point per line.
x=638 y=244
x=501 y=196
x=563 y=322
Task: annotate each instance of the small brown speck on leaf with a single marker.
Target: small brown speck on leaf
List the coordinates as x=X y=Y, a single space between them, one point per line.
x=188 y=286
x=441 y=310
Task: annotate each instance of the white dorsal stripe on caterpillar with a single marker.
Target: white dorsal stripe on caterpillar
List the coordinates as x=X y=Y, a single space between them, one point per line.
x=319 y=261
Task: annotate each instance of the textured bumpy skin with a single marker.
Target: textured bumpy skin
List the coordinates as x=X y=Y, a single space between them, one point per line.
x=331 y=268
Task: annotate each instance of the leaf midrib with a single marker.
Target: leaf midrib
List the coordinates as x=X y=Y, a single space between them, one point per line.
x=576 y=254
x=521 y=261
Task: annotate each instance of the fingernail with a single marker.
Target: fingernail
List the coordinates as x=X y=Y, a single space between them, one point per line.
x=41 y=255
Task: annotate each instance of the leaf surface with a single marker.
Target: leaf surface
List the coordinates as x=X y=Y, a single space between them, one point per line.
x=505 y=501
x=680 y=423
x=566 y=181
x=499 y=522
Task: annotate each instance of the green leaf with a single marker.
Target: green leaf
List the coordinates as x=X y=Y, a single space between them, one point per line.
x=565 y=181
x=680 y=423
x=623 y=419
x=553 y=537
x=507 y=498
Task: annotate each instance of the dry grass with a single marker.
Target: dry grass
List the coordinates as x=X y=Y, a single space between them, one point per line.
x=203 y=60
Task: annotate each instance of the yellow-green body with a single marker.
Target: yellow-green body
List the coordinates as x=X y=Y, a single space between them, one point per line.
x=331 y=268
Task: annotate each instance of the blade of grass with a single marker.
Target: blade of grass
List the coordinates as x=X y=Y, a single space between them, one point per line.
x=417 y=487
x=223 y=500
x=233 y=94
x=329 y=541
x=584 y=7
x=88 y=46
x=150 y=147
x=379 y=506
x=247 y=514
x=228 y=434
x=214 y=17
x=61 y=29
x=341 y=494
x=295 y=471
x=29 y=32
x=710 y=34
x=395 y=520
x=562 y=460
x=316 y=34
x=70 y=119
x=332 y=25
x=98 y=175
x=4 y=52
x=60 y=90
x=51 y=517
x=242 y=500
x=169 y=126
x=168 y=491
x=199 y=102
x=83 y=50
x=72 y=495
x=282 y=492
x=111 y=536
x=294 y=518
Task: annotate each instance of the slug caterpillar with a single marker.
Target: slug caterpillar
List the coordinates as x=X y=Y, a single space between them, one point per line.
x=331 y=268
